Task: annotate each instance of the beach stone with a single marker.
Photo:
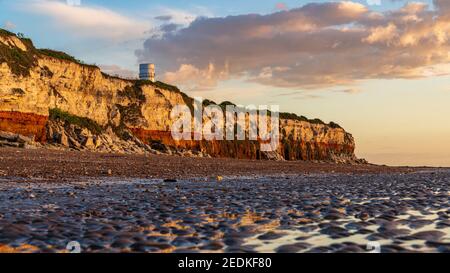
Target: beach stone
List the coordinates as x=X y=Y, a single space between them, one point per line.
x=233 y=241
x=122 y=243
x=334 y=216
x=364 y=216
x=443 y=224
x=429 y=235
x=351 y=249
x=240 y=249
x=170 y=180
x=213 y=246
x=440 y=246
x=392 y=233
x=392 y=249
x=270 y=236
x=182 y=242
x=293 y=248
x=186 y=251
x=364 y=231
x=320 y=249
x=335 y=232
x=417 y=224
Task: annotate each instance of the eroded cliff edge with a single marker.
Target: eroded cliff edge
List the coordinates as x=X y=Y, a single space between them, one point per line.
x=51 y=98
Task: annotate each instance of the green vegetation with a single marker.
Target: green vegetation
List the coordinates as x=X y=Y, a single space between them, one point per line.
x=18 y=91
x=58 y=55
x=158 y=84
x=166 y=86
x=121 y=130
x=207 y=102
x=63 y=56
x=188 y=101
x=128 y=114
x=293 y=116
x=316 y=121
x=224 y=104
x=154 y=141
x=133 y=92
x=334 y=125
x=4 y=32
x=20 y=62
x=46 y=72
x=91 y=125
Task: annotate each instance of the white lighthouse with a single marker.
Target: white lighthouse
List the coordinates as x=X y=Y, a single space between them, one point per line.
x=147 y=72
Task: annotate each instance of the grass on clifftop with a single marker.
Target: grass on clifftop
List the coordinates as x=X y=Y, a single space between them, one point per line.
x=4 y=32
x=63 y=56
x=91 y=125
x=161 y=85
x=20 y=62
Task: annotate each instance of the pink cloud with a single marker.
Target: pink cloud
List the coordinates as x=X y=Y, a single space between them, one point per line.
x=281 y=6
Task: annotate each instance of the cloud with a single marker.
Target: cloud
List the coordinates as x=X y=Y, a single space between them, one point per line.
x=314 y=46
x=115 y=70
x=9 y=25
x=169 y=27
x=281 y=6
x=442 y=5
x=170 y=19
x=179 y=17
x=97 y=22
x=349 y=91
x=382 y=34
x=164 y=17
x=196 y=79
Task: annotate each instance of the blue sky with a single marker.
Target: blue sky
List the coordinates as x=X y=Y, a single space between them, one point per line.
x=397 y=116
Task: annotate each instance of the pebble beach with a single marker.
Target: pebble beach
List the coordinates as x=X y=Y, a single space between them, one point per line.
x=401 y=211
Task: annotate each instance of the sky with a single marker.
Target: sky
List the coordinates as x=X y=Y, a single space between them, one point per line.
x=379 y=68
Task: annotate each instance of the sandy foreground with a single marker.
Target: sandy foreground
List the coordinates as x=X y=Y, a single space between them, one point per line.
x=123 y=203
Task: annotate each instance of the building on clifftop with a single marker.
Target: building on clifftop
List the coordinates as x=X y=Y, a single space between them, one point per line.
x=147 y=72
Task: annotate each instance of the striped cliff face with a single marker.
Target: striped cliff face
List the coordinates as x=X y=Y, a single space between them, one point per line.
x=41 y=81
x=27 y=124
x=303 y=140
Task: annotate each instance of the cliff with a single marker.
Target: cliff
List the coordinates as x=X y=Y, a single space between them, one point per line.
x=55 y=99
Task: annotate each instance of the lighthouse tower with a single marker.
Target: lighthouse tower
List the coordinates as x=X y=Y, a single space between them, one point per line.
x=147 y=72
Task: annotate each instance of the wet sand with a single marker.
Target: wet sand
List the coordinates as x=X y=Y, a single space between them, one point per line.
x=256 y=207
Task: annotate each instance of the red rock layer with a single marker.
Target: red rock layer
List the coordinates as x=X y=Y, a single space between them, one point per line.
x=218 y=148
x=26 y=124
x=33 y=125
x=249 y=149
x=299 y=150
